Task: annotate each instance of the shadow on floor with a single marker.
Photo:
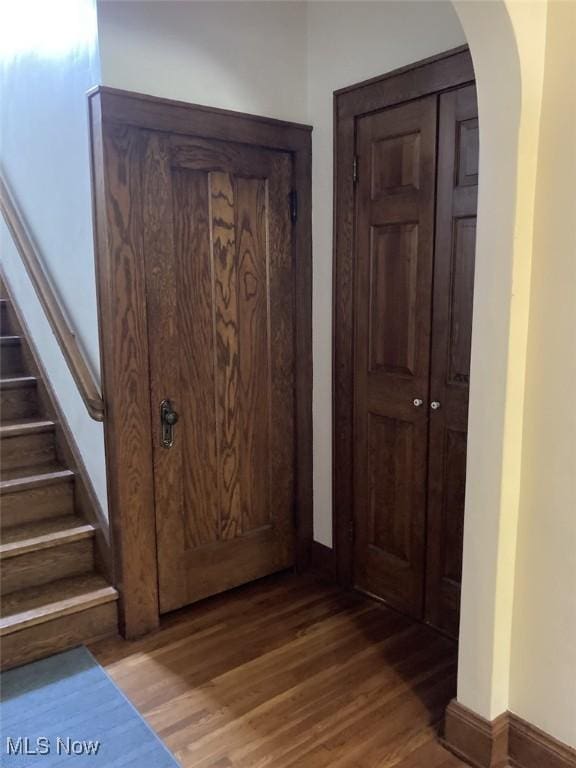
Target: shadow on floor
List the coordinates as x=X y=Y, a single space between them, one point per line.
x=289 y=672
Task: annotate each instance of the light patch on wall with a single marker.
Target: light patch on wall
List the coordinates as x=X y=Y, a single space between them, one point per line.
x=46 y=29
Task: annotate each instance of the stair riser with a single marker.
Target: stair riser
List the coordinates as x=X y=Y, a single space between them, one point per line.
x=18 y=403
x=10 y=359
x=59 y=634
x=42 y=566
x=27 y=450
x=5 y=328
x=35 y=504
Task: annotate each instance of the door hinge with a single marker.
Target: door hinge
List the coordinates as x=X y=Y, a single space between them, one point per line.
x=355 y=169
x=294 y=206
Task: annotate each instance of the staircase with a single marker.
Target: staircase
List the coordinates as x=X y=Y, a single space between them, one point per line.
x=53 y=596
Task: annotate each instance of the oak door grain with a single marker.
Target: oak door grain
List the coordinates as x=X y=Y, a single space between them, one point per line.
x=396 y=151
x=220 y=301
x=117 y=171
x=450 y=358
x=121 y=125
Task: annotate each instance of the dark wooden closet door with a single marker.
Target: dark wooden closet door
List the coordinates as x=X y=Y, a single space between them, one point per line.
x=219 y=283
x=396 y=151
x=450 y=363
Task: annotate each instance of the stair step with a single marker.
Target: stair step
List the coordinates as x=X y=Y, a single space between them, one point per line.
x=33 y=477
x=17 y=427
x=18 y=397
x=35 y=567
x=10 y=354
x=34 y=497
x=39 y=553
x=25 y=443
x=17 y=382
x=44 y=534
x=29 y=607
x=60 y=615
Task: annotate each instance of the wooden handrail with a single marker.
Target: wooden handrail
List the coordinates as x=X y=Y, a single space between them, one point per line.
x=65 y=335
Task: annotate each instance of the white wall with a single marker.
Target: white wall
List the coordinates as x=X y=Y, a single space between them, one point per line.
x=48 y=60
x=349 y=42
x=543 y=668
x=246 y=56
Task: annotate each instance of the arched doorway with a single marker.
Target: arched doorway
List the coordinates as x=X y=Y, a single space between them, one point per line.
x=507 y=46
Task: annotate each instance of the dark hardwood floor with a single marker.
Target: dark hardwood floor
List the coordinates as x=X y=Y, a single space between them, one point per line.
x=290 y=673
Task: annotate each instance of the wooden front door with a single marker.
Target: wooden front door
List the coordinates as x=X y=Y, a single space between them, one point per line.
x=220 y=304
x=396 y=152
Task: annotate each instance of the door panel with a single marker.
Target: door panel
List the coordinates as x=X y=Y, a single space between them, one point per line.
x=220 y=319
x=451 y=343
x=391 y=445
x=394 y=253
x=393 y=283
x=195 y=457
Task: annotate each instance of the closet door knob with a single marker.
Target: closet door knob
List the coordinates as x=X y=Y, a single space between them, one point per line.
x=434 y=405
x=417 y=402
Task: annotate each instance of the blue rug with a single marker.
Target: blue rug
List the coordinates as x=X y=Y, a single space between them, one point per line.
x=66 y=711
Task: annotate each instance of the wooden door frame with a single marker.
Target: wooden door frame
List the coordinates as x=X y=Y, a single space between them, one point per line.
x=124 y=333
x=443 y=72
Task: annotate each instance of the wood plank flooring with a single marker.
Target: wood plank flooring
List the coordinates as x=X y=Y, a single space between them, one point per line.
x=290 y=673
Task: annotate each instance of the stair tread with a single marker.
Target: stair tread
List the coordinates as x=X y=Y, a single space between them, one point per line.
x=9 y=339
x=37 y=605
x=13 y=382
x=44 y=533
x=23 y=477
x=31 y=470
x=26 y=426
